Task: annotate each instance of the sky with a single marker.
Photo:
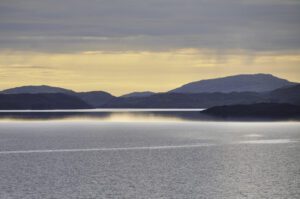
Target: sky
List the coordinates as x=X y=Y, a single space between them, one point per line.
x=122 y=46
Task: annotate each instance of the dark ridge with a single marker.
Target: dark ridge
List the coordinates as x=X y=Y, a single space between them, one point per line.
x=290 y=94
x=95 y=98
x=259 y=110
x=41 y=101
x=179 y=100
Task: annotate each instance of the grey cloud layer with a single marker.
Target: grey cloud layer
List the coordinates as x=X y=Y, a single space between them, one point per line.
x=77 y=25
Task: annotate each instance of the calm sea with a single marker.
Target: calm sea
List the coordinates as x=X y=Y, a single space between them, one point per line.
x=145 y=154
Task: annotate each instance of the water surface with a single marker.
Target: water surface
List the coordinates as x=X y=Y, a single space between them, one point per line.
x=147 y=155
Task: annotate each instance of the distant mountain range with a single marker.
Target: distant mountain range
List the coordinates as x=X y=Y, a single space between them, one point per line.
x=239 y=89
x=206 y=100
x=237 y=83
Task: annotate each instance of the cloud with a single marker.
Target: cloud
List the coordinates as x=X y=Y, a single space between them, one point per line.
x=122 y=25
x=23 y=66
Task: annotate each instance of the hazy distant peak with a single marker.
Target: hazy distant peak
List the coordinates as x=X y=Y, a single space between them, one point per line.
x=236 y=83
x=96 y=93
x=36 y=89
x=139 y=94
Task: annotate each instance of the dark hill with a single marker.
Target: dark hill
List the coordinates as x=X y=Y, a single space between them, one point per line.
x=260 y=110
x=41 y=101
x=95 y=98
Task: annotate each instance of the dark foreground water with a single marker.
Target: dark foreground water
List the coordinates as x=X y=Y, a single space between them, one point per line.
x=135 y=156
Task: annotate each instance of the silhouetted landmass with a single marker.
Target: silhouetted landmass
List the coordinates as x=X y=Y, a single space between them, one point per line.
x=48 y=115
x=95 y=98
x=237 y=83
x=179 y=100
x=139 y=94
x=41 y=101
x=256 y=111
x=289 y=93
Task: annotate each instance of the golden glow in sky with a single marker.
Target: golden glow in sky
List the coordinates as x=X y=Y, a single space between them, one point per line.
x=123 y=72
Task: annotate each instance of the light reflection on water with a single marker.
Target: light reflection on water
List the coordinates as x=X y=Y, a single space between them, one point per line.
x=116 y=115
x=101 y=110
x=120 y=115
x=273 y=141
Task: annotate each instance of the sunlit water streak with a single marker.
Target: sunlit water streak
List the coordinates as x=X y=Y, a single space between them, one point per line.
x=274 y=141
x=107 y=149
